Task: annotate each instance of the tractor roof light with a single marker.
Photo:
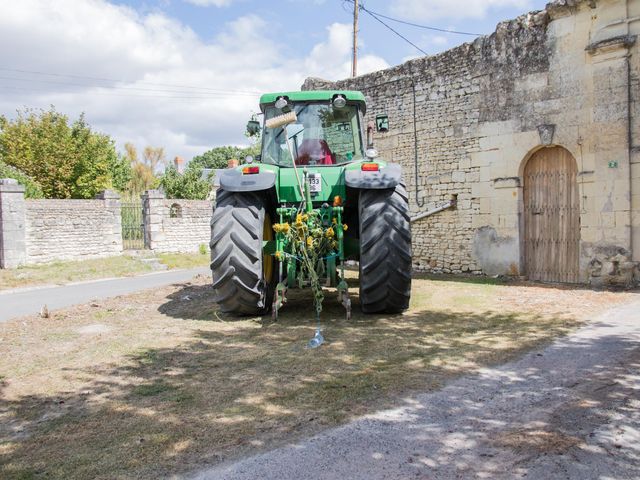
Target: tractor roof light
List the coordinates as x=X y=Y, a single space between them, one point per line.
x=370 y=167
x=339 y=101
x=250 y=170
x=281 y=103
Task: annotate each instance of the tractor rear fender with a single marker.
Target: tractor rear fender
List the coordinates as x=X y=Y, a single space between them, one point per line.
x=387 y=177
x=233 y=180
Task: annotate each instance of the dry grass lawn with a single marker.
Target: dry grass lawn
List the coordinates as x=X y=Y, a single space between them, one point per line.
x=58 y=273
x=159 y=383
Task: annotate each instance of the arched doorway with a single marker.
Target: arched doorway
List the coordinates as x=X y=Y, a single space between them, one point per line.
x=551 y=216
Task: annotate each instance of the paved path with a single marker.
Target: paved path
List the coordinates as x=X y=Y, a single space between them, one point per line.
x=27 y=301
x=569 y=411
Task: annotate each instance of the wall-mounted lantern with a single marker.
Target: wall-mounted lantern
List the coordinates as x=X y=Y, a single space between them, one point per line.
x=382 y=123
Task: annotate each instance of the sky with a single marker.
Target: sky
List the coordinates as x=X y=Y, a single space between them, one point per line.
x=186 y=75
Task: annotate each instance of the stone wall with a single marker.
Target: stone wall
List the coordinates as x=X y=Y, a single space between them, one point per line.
x=176 y=225
x=463 y=124
x=42 y=231
x=12 y=238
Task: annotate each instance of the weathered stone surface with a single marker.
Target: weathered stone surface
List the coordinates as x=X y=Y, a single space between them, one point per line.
x=555 y=77
x=175 y=225
x=12 y=224
x=73 y=229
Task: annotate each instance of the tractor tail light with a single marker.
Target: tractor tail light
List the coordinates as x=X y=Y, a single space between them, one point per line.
x=370 y=167
x=250 y=170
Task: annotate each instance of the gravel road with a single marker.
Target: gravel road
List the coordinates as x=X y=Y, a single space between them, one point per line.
x=569 y=411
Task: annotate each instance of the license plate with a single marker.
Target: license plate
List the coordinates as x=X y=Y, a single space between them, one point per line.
x=315 y=182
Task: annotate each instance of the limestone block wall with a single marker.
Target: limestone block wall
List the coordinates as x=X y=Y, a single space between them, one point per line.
x=12 y=237
x=464 y=123
x=173 y=225
x=72 y=229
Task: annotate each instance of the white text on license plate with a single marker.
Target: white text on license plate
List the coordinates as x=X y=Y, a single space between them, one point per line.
x=315 y=182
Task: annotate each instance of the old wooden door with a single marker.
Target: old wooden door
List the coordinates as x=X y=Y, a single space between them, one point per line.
x=551 y=216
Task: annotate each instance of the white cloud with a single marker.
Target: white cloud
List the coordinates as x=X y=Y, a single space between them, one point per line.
x=439 y=40
x=456 y=9
x=332 y=58
x=209 y=3
x=150 y=56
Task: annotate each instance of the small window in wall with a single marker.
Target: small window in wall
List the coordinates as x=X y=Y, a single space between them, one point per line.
x=175 y=211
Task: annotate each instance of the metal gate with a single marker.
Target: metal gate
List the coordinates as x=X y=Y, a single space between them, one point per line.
x=551 y=216
x=132 y=225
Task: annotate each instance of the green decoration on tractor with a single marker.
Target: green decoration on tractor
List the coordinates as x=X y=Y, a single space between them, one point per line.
x=314 y=198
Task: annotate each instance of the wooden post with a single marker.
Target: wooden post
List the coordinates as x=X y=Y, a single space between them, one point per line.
x=354 y=62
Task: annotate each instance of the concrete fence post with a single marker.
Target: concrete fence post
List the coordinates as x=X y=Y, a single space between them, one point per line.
x=113 y=238
x=13 y=250
x=152 y=212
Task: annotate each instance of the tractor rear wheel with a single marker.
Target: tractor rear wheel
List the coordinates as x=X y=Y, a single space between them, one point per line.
x=385 y=250
x=243 y=276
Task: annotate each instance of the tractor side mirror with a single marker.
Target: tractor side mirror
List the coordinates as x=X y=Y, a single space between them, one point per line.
x=253 y=128
x=382 y=123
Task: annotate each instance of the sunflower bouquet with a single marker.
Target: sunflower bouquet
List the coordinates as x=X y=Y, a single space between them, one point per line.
x=311 y=240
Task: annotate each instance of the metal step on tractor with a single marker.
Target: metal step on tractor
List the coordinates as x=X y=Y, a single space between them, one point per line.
x=314 y=198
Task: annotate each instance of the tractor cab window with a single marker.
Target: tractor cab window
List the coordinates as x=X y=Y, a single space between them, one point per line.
x=322 y=135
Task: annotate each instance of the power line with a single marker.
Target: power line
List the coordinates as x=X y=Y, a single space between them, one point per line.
x=113 y=87
x=373 y=15
x=45 y=91
x=444 y=30
x=426 y=27
x=102 y=79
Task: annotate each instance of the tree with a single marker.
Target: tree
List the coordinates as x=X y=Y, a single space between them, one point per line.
x=142 y=174
x=32 y=189
x=189 y=185
x=153 y=157
x=121 y=173
x=216 y=157
x=67 y=160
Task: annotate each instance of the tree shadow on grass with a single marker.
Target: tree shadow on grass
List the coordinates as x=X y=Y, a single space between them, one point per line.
x=237 y=387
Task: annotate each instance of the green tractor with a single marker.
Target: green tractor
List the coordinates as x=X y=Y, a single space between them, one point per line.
x=313 y=165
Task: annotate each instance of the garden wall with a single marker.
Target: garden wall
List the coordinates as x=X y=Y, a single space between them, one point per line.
x=72 y=229
x=43 y=231
x=173 y=225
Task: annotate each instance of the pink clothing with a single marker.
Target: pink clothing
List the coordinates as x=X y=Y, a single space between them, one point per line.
x=315 y=149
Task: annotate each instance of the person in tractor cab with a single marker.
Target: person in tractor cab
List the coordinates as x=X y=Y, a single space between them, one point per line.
x=313 y=149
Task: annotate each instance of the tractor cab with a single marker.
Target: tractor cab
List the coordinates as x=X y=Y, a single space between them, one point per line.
x=327 y=129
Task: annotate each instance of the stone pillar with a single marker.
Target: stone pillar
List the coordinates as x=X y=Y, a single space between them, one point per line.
x=152 y=212
x=13 y=249
x=112 y=236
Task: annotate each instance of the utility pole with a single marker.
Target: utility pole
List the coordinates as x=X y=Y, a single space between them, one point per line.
x=354 y=62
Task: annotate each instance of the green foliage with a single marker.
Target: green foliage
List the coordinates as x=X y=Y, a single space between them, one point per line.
x=189 y=185
x=121 y=173
x=216 y=157
x=32 y=189
x=67 y=160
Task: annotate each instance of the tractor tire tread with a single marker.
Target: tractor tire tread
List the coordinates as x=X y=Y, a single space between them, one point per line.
x=236 y=253
x=385 y=250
